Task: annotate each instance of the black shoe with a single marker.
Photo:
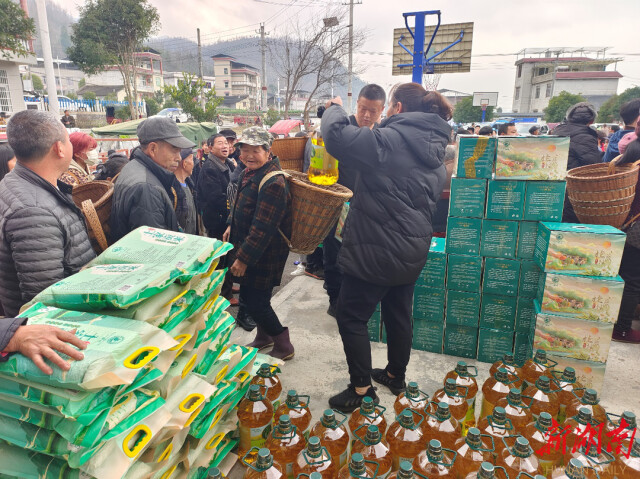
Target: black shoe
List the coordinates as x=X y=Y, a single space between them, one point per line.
x=332 y=309
x=348 y=400
x=245 y=321
x=317 y=273
x=395 y=385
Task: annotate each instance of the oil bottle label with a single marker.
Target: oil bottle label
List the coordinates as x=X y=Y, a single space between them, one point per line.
x=469 y=420
x=289 y=468
x=317 y=157
x=259 y=435
x=547 y=467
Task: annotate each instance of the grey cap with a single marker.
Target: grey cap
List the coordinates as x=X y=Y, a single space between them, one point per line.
x=158 y=128
x=582 y=113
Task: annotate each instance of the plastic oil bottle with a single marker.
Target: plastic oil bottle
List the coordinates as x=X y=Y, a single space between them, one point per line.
x=358 y=468
x=297 y=410
x=629 y=467
x=472 y=451
x=323 y=168
x=574 y=470
x=254 y=417
x=544 y=398
x=495 y=388
x=601 y=462
x=442 y=426
x=405 y=471
x=536 y=367
x=373 y=448
x=436 y=462
x=517 y=411
x=411 y=398
x=518 y=458
x=214 y=473
x=285 y=443
x=463 y=376
x=267 y=376
x=497 y=426
x=577 y=425
x=263 y=467
x=486 y=471
x=368 y=414
x=616 y=422
x=566 y=384
x=509 y=363
x=333 y=435
x=537 y=432
x=405 y=437
x=589 y=400
x=456 y=397
x=314 y=458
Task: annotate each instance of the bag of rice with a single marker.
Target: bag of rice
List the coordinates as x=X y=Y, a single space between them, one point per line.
x=202 y=451
x=21 y=463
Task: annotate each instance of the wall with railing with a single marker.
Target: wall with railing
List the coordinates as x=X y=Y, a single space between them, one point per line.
x=100 y=106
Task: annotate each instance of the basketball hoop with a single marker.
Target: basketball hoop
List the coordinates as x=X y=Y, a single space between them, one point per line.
x=431 y=81
x=484 y=103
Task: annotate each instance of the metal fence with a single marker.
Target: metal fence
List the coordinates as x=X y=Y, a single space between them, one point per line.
x=100 y=106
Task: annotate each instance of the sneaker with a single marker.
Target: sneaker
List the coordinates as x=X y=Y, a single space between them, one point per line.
x=332 y=309
x=395 y=385
x=629 y=336
x=348 y=400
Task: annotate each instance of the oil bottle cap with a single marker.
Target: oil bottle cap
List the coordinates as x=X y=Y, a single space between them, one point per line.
x=315 y=475
x=545 y=421
x=265 y=370
x=590 y=397
x=328 y=418
x=284 y=423
x=522 y=447
x=569 y=375
x=313 y=446
x=356 y=466
x=473 y=437
x=406 y=470
x=367 y=405
x=406 y=419
x=450 y=387
x=214 y=473
x=443 y=412
x=540 y=357
x=544 y=384
x=502 y=375
x=508 y=359
x=499 y=415
x=584 y=415
x=630 y=419
x=515 y=397
x=575 y=469
x=461 y=368
x=254 y=392
x=265 y=460
x=292 y=397
x=434 y=451
x=486 y=471
x=412 y=390
x=373 y=435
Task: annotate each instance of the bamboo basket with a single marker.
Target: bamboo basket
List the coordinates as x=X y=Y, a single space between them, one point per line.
x=295 y=165
x=289 y=148
x=94 y=199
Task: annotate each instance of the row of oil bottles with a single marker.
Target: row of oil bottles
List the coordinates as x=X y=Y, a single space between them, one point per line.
x=439 y=437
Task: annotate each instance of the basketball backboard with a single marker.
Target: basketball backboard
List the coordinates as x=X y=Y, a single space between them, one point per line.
x=484 y=98
x=447 y=34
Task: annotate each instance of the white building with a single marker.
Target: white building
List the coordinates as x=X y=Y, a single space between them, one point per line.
x=233 y=78
x=173 y=78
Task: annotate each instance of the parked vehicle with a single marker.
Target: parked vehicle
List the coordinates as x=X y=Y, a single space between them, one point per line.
x=176 y=114
x=523 y=128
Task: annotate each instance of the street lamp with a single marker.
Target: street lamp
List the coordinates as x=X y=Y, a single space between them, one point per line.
x=329 y=23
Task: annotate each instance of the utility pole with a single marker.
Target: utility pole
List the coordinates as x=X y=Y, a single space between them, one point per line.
x=200 y=68
x=60 y=76
x=350 y=88
x=263 y=48
x=50 y=74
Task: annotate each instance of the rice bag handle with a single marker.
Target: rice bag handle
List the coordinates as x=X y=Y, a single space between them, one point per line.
x=140 y=443
x=166 y=453
x=215 y=441
x=152 y=352
x=221 y=374
x=191 y=402
x=94 y=223
x=182 y=340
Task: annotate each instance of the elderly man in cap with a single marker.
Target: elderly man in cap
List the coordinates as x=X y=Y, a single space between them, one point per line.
x=142 y=194
x=261 y=210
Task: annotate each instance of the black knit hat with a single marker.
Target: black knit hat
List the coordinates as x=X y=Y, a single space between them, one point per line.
x=583 y=113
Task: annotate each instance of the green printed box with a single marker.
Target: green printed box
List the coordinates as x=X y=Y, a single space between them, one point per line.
x=527 y=236
x=532 y=158
x=460 y=340
x=586 y=250
x=522 y=347
x=499 y=239
x=498 y=312
x=373 y=326
x=428 y=303
x=428 y=336
x=383 y=333
x=476 y=156
x=434 y=271
x=529 y=279
x=544 y=200
x=463 y=308
x=591 y=298
x=494 y=344
x=501 y=276
x=525 y=316
x=463 y=235
x=464 y=273
x=505 y=200
x=467 y=197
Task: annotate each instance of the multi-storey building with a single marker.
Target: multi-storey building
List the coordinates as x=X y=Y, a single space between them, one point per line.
x=233 y=78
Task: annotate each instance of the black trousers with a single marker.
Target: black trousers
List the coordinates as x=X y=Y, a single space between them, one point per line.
x=225 y=262
x=257 y=303
x=356 y=303
x=314 y=260
x=630 y=272
x=332 y=272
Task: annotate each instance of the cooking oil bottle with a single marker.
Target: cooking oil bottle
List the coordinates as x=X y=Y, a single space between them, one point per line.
x=463 y=376
x=566 y=384
x=536 y=367
x=509 y=363
x=323 y=169
x=497 y=426
x=285 y=443
x=629 y=467
x=436 y=462
x=537 y=433
x=615 y=422
x=358 y=468
x=518 y=458
x=297 y=410
x=517 y=411
x=262 y=465
x=411 y=398
x=370 y=415
x=442 y=426
x=472 y=450
x=495 y=388
x=578 y=427
x=405 y=437
x=589 y=400
x=314 y=458
x=267 y=376
x=333 y=435
x=214 y=473
x=254 y=417
x=373 y=448
x=486 y=471
x=601 y=462
x=544 y=399
x=574 y=470
x=456 y=397
x=405 y=471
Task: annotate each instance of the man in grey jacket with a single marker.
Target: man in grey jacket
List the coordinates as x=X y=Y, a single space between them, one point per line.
x=43 y=236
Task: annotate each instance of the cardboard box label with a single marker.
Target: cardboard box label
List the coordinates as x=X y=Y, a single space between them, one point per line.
x=588 y=373
x=501 y=276
x=463 y=235
x=499 y=238
x=529 y=279
x=544 y=200
x=532 y=158
x=498 y=312
x=525 y=316
x=505 y=200
x=464 y=273
x=494 y=344
x=527 y=236
x=463 y=308
x=467 y=197
x=522 y=347
x=434 y=271
x=428 y=336
x=460 y=340
x=475 y=156
x=428 y=303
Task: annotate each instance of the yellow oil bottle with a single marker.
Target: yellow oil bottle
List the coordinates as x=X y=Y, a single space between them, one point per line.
x=497 y=426
x=323 y=168
x=472 y=451
x=566 y=382
x=590 y=401
x=374 y=448
x=574 y=470
x=456 y=397
x=436 y=462
x=297 y=410
x=314 y=458
x=509 y=363
x=405 y=437
x=465 y=375
x=442 y=426
x=495 y=388
x=285 y=443
x=358 y=468
x=629 y=467
x=368 y=414
x=516 y=410
x=544 y=398
x=535 y=367
x=519 y=457
x=577 y=426
x=537 y=433
x=622 y=425
x=267 y=376
x=405 y=471
x=254 y=417
x=334 y=436
x=412 y=398
x=260 y=465
x=486 y=471
x=601 y=462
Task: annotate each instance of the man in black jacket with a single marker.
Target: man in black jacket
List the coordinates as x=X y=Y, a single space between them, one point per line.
x=142 y=195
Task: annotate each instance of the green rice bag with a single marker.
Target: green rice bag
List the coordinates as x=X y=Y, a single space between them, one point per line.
x=24 y=464
x=218 y=333
x=202 y=451
x=215 y=409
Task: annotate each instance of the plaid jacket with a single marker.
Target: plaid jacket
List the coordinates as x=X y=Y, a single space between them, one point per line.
x=255 y=220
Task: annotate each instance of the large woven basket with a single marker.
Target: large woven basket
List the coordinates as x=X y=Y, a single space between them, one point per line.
x=94 y=199
x=289 y=148
x=315 y=209
x=295 y=165
x=602 y=194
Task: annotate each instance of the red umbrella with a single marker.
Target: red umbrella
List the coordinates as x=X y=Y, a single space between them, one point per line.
x=283 y=127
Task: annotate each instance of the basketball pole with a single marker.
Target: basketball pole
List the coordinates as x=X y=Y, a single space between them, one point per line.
x=484 y=112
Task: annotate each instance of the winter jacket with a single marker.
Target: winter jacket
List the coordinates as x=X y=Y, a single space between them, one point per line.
x=583 y=145
x=211 y=190
x=43 y=237
x=400 y=177
x=8 y=327
x=255 y=220
x=142 y=196
x=612 y=149
x=186 y=212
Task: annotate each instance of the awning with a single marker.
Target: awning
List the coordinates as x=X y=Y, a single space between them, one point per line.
x=196 y=132
x=283 y=127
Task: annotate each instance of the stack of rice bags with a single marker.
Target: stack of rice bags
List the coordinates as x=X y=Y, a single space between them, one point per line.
x=154 y=396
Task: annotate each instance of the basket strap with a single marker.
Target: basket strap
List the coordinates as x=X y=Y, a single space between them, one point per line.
x=94 y=223
x=266 y=178
x=612 y=165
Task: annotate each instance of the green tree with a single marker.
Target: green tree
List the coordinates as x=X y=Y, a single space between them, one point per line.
x=89 y=95
x=465 y=112
x=271 y=117
x=37 y=83
x=16 y=28
x=152 y=106
x=72 y=95
x=558 y=106
x=610 y=109
x=82 y=82
x=110 y=32
x=113 y=96
x=187 y=94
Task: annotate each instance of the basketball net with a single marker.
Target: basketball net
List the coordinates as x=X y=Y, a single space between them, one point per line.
x=431 y=81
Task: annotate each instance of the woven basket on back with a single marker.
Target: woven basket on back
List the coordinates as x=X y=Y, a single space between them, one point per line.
x=289 y=148
x=295 y=165
x=94 y=199
x=602 y=194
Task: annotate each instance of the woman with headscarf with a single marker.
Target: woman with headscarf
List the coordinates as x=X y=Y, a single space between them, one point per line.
x=85 y=154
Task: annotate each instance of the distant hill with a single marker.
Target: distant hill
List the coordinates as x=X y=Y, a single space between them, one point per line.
x=60 y=22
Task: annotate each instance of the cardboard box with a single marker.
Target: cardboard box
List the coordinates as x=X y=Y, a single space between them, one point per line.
x=498 y=312
x=501 y=276
x=463 y=308
x=499 y=239
x=589 y=374
x=476 y=156
x=428 y=336
x=373 y=326
x=460 y=340
x=428 y=303
x=522 y=347
x=383 y=333
x=464 y=273
x=434 y=271
x=527 y=236
x=587 y=250
x=574 y=338
x=505 y=200
x=529 y=279
x=463 y=235
x=544 y=200
x=532 y=158
x=467 y=197
x=525 y=316
x=494 y=344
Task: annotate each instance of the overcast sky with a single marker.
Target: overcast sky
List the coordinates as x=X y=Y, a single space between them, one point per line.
x=501 y=28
